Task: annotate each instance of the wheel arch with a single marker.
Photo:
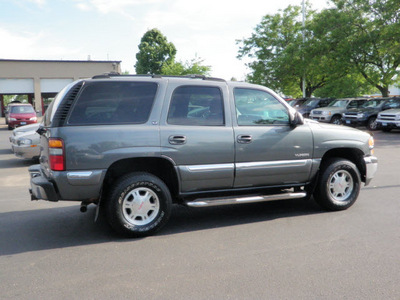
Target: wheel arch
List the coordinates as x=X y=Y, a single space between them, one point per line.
x=157 y=166
x=356 y=156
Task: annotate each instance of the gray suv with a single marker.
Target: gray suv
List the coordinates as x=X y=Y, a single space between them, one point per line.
x=135 y=145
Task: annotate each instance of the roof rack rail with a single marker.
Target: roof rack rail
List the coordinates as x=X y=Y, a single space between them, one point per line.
x=191 y=76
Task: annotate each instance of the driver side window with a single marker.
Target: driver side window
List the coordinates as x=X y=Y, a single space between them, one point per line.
x=256 y=107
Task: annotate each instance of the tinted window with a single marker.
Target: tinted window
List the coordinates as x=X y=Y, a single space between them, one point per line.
x=196 y=105
x=255 y=107
x=114 y=103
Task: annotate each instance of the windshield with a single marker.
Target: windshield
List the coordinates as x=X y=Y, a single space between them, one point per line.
x=339 y=103
x=311 y=102
x=372 y=103
x=25 y=109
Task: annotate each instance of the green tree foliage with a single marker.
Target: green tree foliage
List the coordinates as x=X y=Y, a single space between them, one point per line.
x=348 y=49
x=194 y=66
x=154 y=52
x=365 y=34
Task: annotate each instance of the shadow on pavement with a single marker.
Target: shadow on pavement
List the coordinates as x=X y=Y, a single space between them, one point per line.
x=36 y=230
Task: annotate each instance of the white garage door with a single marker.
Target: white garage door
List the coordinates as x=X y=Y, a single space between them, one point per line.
x=54 y=85
x=16 y=86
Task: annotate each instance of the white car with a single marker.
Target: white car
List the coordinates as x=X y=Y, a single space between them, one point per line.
x=25 y=141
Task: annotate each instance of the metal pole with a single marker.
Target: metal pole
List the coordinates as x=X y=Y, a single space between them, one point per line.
x=304 y=40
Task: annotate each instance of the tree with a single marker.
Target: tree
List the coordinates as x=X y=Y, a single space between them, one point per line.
x=365 y=35
x=280 y=57
x=189 y=67
x=154 y=52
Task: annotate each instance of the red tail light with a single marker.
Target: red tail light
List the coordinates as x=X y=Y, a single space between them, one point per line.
x=56 y=154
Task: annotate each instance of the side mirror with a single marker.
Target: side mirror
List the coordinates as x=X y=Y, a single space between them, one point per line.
x=295 y=119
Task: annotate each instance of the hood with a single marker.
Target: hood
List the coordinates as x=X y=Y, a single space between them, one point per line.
x=330 y=108
x=362 y=109
x=22 y=129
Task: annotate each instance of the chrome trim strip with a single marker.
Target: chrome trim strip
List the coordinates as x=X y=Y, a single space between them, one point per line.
x=269 y=164
x=79 y=175
x=205 y=168
x=239 y=200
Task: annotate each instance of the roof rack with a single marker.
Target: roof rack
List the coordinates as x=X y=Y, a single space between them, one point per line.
x=191 y=76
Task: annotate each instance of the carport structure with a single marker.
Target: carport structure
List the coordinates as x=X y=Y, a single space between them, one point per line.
x=41 y=79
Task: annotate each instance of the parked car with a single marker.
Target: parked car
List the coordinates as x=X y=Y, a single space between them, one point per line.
x=389 y=119
x=25 y=141
x=19 y=114
x=136 y=145
x=297 y=102
x=333 y=112
x=312 y=103
x=367 y=113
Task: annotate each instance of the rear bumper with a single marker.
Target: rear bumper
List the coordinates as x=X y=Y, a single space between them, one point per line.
x=41 y=188
x=66 y=185
x=371 y=164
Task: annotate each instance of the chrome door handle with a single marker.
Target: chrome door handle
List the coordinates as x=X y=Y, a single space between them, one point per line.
x=177 y=139
x=244 y=139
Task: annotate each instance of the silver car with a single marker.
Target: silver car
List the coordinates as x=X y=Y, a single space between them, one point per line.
x=333 y=112
x=25 y=141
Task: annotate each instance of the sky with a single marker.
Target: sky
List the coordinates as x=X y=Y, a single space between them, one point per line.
x=112 y=29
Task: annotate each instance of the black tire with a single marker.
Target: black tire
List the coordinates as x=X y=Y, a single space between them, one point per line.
x=372 y=124
x=339 y=184
x=139 y=205
x=336 y=120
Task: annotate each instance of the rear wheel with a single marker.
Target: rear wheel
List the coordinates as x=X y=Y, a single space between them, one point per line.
x=139 y=205
x=339 y=184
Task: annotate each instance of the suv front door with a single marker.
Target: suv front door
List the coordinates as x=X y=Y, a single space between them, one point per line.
x=268 y=150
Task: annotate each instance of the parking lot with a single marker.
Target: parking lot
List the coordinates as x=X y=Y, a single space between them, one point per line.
x=276 y=250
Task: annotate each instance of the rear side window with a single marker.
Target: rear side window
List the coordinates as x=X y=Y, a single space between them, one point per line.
x=113 y=103
x=196 y=105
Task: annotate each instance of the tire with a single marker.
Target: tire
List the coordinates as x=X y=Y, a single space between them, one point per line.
x=336 y=120
x=372 y=124
x=339 y=185
x=139 y=205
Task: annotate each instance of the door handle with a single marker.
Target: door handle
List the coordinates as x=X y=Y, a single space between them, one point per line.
x=177 y=139
x=244 y=139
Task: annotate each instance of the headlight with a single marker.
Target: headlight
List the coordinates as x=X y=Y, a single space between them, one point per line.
x=33 y=119
x=397 y=117
x=25 y=142
x=13 y=119
x=326 y=113
x=360 y=115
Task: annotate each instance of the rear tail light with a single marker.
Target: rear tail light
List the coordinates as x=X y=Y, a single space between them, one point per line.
x=56 y=154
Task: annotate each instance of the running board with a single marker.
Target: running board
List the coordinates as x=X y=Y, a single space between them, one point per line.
x=247 y=199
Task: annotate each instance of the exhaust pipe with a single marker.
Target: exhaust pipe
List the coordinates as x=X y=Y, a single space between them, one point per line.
x=83 y=208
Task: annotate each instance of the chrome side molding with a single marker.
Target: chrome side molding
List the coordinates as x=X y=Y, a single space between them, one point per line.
x=246 y=199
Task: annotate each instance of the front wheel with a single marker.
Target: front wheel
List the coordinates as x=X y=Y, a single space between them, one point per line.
x=372 y=124
x=139 y=205
x=339 y=184
x=336 y=120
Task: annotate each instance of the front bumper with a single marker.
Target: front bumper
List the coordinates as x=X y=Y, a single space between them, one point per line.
x=354 y=122
x=388 y=124
x=371 y=165
x=26 y=151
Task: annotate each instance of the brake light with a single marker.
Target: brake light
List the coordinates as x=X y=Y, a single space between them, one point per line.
x=56 y=154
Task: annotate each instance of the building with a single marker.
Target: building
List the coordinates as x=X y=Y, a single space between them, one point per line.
x=41 y=80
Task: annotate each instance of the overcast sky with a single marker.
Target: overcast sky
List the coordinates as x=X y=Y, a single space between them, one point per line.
x=112 y=29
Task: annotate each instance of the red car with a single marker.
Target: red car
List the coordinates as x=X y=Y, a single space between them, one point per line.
x=19 y=114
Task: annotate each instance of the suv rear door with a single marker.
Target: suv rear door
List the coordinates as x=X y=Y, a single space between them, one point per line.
x=197 y=135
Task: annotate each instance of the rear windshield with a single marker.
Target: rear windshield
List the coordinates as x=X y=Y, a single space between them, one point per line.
x=23 y=109
x=113 y=103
